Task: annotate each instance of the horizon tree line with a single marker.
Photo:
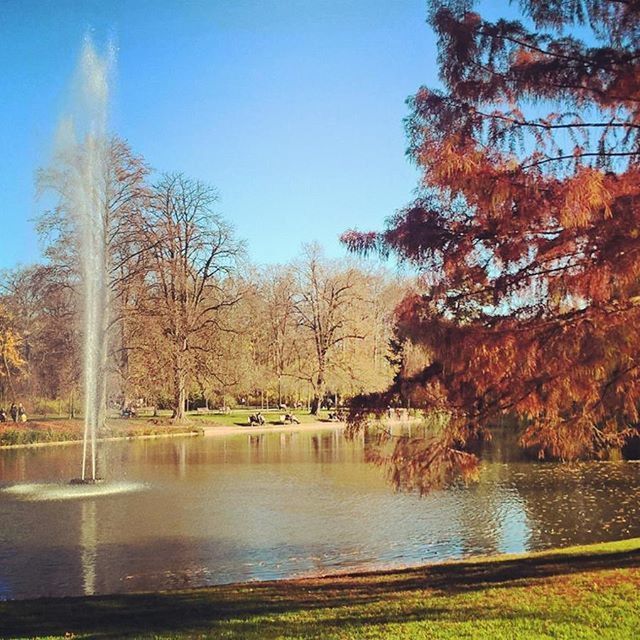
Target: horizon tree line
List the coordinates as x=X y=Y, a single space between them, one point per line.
x=191 y=321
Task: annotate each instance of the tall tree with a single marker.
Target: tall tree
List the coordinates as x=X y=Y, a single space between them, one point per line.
x=325 y=296
x=118 y=192
x=278 y=291
x=192 y=256
x=526 y=232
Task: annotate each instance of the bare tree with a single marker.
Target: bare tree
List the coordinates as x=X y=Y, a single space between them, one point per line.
x=116 y=194
x=193 y=254
x=279 y=293
x=325 y=299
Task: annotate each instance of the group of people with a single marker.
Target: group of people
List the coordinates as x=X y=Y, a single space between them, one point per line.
x=257 y=419
x=17 y=413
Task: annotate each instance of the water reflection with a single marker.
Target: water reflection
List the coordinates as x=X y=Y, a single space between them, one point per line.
x=88 y=545
x=262 y=506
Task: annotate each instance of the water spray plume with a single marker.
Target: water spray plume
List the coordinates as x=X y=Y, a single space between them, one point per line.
x=82 y=140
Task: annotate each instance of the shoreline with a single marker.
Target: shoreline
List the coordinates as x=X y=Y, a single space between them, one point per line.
x=318 y=425
x=589 y=591
x=57 y=443
x=202 y=430
x=630 y=545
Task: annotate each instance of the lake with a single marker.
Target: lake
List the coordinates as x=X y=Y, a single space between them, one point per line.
x=193 y=511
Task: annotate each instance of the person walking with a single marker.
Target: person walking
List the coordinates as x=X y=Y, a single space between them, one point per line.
x=13 y=412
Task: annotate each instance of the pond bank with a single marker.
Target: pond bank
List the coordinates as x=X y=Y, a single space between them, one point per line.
x=318 y=425
x=40 y=433
x=54 y=443
x=580 y=592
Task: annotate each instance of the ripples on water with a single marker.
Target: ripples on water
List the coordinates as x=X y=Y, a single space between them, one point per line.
x=218 y=510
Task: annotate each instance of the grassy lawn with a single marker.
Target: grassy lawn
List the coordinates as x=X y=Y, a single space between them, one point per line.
x=576 y=593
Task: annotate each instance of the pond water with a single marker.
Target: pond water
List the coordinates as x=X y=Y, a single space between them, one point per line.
x=185 y=512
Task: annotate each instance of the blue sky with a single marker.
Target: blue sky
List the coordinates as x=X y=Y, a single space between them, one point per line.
x=292 y=109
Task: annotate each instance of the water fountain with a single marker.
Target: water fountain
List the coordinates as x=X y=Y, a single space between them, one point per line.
x=82 y=141
x=81 y=176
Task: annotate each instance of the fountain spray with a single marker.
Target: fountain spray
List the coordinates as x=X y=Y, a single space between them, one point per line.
x=83 y=143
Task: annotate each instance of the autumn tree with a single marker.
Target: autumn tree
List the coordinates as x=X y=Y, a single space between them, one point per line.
x=193 y=255
x=365 y=363
x=526 y=230
x=43 y=315
x=324 y=305
x=276 y=354
x=11 y=360
x=119 y=195
x=281 y=317
x=226 y=366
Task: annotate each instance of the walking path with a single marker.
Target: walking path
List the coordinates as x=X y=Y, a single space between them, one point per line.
x=214 y=430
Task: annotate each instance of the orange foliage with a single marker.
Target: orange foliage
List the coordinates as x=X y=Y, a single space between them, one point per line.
x=531 y=258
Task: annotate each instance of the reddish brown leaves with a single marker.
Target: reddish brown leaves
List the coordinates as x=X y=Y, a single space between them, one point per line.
x=527 y=235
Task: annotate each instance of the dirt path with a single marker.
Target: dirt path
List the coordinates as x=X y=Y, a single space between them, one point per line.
x=213 y=430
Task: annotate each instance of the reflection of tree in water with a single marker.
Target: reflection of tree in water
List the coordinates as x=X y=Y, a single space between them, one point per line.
x=497 y=522
x=551 y=503
x=504 y=444
x=325 y=447
x=179 y=458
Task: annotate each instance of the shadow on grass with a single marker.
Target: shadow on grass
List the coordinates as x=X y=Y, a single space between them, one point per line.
x=233 y=607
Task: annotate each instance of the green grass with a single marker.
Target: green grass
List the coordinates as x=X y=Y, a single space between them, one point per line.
x=572 y=594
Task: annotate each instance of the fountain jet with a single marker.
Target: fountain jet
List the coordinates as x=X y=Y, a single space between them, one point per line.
x=83 y=144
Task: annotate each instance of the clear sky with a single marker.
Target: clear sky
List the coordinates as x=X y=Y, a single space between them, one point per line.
x=292 y=109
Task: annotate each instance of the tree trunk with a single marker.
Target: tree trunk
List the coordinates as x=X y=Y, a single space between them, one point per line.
x=318 y=393
x=179 y=393
x=179 y=402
